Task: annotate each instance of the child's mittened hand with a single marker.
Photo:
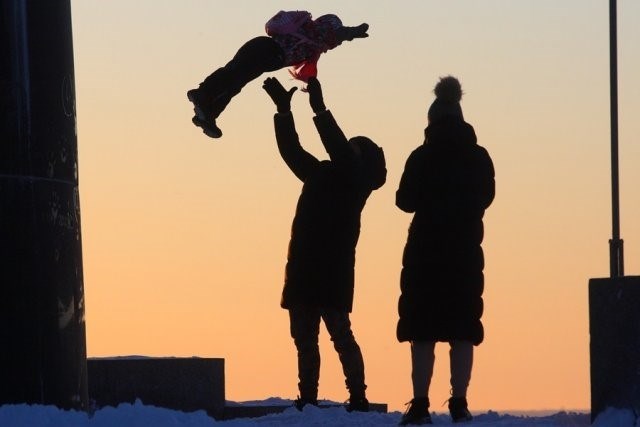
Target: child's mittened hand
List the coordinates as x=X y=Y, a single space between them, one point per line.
x=350 y=33
x=360 y=31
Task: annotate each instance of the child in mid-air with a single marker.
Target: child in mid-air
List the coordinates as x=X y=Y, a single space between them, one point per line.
x=294 y=40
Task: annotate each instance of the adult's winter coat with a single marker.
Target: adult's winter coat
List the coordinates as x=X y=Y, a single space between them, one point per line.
x=448 y=182
x=326 y=226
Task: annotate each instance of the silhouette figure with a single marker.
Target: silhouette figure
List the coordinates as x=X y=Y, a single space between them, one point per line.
x=294 y=40
x=319 y=280
x=447 y=184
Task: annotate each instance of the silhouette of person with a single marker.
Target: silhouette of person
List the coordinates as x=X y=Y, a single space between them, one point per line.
x=299 y=48
x=447 y=184
x=319 y=279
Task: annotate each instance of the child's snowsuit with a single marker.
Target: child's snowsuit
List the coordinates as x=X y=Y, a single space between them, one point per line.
x=300 y=50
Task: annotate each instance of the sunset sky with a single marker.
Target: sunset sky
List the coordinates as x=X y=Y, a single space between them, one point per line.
x=185 y=237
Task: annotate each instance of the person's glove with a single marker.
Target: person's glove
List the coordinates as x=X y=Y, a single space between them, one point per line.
x=315 y=95
x=279 y=95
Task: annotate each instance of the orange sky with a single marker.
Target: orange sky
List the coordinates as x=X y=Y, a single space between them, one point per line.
x=184 y=237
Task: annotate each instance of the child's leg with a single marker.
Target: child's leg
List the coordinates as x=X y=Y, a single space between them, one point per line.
x=257 y=56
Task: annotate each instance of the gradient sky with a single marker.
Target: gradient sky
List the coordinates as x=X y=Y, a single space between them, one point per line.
x=185 y=237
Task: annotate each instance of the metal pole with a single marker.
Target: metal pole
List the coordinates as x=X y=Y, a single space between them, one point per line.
x=615 y=244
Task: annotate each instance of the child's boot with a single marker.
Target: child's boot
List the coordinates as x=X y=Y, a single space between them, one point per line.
x=205 y=117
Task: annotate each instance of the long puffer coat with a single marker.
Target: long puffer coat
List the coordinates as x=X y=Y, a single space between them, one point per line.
x=326 y=226
x=448 y=182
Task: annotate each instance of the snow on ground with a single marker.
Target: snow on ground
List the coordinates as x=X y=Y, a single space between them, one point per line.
x=140 y=415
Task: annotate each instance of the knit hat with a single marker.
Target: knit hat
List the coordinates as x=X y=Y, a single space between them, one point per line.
x=447 y=103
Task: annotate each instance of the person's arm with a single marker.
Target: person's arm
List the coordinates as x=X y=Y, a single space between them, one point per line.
x=483 y=173
x=486 y=179
x=350 y=33
x=299 y=161
x=333 y=139
x=408 y=194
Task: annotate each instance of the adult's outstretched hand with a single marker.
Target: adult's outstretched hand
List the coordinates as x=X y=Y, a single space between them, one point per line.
x=280 y=96
x=315 y=95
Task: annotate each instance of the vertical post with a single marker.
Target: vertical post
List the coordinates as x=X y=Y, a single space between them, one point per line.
x=42 y=329
x=616 y=253
x=614 y=319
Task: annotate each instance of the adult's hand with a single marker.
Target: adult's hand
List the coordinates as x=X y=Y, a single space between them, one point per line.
x=315 y=95
x=279 y=95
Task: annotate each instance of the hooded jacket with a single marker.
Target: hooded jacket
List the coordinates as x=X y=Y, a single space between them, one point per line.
x=326 y=226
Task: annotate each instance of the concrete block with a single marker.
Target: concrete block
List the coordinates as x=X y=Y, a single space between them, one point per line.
x=185 y=384
x=614 y=327
x=254 y=411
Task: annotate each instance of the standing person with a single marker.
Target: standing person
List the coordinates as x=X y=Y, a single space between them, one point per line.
x=294 y=40
x=447 y=184
x=319 y=280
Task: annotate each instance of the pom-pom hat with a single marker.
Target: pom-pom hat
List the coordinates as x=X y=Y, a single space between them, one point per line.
x=447 y=103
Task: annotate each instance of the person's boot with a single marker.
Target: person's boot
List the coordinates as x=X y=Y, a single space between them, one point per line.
x=459 y=410
x=358 y=404
x=417 y=412
x=300 y=402
x=205 y=116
